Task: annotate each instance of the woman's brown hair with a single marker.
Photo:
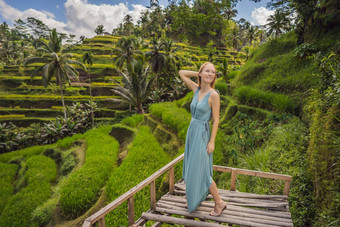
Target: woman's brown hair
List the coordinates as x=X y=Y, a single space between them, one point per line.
x=212 y=84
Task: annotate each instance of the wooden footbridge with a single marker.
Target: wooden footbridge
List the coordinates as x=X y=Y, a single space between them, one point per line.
x=242 y=209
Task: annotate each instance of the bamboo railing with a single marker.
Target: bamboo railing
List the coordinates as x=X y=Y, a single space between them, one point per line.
x=99 y=216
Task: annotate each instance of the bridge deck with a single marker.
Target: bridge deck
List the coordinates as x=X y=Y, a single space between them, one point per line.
x=242 y=209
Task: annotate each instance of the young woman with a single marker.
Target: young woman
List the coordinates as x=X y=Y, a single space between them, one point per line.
x=199 y=144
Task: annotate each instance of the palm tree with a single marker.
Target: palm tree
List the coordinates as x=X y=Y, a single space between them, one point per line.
x=278 y=22
x=170 y=51
x=246 y=52
x=223 y=68
x=234 y=38
x=99 y=30
x=136 y=86
x=55 y=64
x=251 y=34
x=156 y=57
x=229 y=13
x=126 y=51
x=88 y=58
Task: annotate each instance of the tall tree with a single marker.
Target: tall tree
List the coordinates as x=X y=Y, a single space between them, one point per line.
x=136 y=86
x=278 y=23
x=55 y=64
x=156 y=56
x=223 y=68
x=99 y=29
x=38 y=28
x=126 y=51
x=234 y=38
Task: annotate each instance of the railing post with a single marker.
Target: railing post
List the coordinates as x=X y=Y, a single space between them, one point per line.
x=131 y=211
x=101 y=222
x=153 y=195
x=233 y=179
x=287 y=187
x=171 y=180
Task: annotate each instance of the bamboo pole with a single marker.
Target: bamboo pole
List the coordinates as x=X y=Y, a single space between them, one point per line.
x=153 y=195
x=131 y=211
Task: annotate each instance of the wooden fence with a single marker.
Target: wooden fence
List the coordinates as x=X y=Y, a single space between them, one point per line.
x=129 y=195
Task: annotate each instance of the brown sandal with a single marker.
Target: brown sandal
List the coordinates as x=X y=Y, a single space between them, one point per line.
x=222 y=206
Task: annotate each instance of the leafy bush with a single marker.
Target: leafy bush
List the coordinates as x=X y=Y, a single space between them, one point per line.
x=144 y=158
x=41 y=171
x=78 y=121
x=82 y=188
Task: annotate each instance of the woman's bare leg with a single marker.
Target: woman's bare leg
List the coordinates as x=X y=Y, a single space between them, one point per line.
x=219 y=204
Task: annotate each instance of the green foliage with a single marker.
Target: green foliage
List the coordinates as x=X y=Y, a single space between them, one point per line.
x=133 y=121
x=233 y=74
x=145 y=156
x=67 y=141
x=178 y=119
x=40 y=172
x=288 y=145
x=221 y=86
x=268 y=100
x=7 y=176
x=27 y=153
x=39 y=169
x=323 y=110
x=82 y=188
x=43 y=213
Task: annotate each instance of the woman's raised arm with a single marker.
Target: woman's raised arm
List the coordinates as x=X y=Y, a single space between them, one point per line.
x=185 y=74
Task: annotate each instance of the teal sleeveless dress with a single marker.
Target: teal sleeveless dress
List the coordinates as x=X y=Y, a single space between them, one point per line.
x=197 y=166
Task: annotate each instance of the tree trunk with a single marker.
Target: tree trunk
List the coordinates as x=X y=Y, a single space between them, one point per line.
x=62 y=96
x=92 y=114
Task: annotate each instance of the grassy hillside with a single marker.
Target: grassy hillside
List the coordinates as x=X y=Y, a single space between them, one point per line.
x=274 y=78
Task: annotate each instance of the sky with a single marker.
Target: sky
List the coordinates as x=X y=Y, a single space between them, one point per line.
x=81 y=17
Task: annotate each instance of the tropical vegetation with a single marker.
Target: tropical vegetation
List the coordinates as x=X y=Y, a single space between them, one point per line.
x=279 y=90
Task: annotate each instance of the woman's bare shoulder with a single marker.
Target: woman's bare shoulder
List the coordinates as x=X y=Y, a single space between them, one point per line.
x=215 y=94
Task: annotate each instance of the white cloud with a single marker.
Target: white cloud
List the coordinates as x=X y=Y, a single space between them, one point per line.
x=82 y=17
x=57 y=6
x=260 y=15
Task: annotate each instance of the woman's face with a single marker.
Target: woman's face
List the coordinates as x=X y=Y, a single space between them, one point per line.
x=208 y=74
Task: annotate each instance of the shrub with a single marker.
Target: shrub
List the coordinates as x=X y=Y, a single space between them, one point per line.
x=82 y=188
x=144 y=158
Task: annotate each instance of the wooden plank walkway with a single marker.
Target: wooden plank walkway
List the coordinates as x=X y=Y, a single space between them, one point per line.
x=243 y=209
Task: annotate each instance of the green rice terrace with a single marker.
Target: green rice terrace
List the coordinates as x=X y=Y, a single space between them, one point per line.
x=84 y=124
x=24 y=99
